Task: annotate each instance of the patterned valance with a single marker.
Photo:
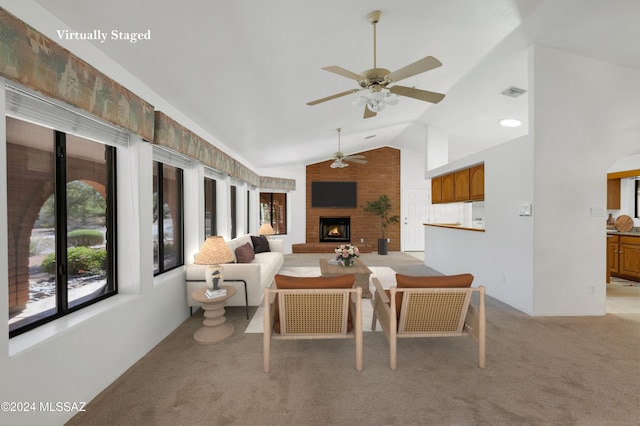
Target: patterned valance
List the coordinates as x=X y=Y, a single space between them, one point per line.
x=171 y=134
x=267 y=182
x=35 y=61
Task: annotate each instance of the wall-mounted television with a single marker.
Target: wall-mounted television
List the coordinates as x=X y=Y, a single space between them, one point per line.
x=334 y=194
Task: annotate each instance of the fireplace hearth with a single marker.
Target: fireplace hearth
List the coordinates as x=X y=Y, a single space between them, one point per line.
x=335 y=229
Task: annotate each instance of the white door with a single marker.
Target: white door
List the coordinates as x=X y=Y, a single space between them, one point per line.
x=414 y=215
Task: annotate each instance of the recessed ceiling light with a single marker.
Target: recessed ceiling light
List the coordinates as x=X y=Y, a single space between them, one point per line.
x=510 y=122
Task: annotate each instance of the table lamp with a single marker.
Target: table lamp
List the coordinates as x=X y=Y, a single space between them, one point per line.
x=214 y=252
x=266 y=229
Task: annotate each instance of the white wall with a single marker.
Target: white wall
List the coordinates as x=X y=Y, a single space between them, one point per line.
x=586 y=116
x=501 y=258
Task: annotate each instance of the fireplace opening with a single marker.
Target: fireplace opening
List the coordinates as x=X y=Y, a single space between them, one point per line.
x=335 y=229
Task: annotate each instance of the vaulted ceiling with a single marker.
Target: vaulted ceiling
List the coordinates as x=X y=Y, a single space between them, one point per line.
x=245 y=69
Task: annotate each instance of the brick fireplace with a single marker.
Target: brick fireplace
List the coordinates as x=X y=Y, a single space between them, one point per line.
x=381 y=175
x=335 y=229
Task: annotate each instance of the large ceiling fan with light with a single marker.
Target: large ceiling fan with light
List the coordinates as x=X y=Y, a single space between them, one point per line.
x=339 y=159
x=374 y=93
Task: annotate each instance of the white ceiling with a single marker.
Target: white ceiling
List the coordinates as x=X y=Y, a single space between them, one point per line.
x=244 y=69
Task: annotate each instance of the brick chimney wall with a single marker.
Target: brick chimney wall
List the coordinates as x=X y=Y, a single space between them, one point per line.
x=381 y=175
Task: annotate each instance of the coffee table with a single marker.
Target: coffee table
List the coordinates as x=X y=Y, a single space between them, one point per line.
x=359 y=269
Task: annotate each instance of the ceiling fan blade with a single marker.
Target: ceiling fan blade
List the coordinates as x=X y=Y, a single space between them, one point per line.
x=422 y=95
x=424 y=64
x=351 y=157
x=368 y=113
x=344 y=72
x=328 y=98
x=356 y=160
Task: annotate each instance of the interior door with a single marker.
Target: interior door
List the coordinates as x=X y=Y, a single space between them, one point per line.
x=414 y=215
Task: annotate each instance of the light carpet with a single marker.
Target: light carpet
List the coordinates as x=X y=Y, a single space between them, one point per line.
x=387 y=277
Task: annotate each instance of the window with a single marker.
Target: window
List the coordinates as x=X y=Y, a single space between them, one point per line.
x=273 y=210
x=234 y=210
x=210 y=227
x=61 y=194
x=167 y=218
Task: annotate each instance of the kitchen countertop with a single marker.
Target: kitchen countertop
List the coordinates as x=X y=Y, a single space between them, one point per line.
x=455 y=226
x=635 y=232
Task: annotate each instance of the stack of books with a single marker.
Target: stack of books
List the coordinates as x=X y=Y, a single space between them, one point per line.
x=211 y=293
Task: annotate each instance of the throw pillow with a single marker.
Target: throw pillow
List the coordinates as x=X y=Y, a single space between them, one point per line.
x=260 y=244
x=245 y=253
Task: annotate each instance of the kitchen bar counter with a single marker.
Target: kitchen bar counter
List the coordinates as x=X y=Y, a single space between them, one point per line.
x=632 y=233
x=454 y=226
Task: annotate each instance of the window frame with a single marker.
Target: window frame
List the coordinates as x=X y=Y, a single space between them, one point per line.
x=158 y=166
x=210 y=195
x=62 y=307
x=271 y=220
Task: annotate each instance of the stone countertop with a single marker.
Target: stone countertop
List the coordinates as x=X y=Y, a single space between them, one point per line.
x=634 y=232
x=455 y=226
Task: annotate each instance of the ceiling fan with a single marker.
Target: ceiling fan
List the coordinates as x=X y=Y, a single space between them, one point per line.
x=373 y=82
x=339 y=158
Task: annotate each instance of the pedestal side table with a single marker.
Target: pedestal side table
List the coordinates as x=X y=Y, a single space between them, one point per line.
x=214 y=327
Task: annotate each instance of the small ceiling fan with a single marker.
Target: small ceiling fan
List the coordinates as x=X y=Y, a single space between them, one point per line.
x=375 y=94
x=339 y=158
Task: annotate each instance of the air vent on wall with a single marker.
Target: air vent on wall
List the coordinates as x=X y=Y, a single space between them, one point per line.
x=513 y=92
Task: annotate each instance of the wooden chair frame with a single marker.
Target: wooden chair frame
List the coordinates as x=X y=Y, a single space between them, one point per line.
x=313 y=314
x=430 y=312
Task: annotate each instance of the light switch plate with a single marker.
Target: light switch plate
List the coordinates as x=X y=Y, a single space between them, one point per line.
x=525 y=209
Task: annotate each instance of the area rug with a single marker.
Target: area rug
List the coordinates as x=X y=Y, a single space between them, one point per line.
x=387 y=277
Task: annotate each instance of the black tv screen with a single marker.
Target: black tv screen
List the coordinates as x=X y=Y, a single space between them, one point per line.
x=334 y=194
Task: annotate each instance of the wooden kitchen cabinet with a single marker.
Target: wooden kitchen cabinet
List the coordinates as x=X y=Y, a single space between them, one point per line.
x=461 y=185
x=436 y=190
x=447 y=188
x=612 y=255
x=629 y=257
x=476 y=183
x=613 y=194
x=623 y=256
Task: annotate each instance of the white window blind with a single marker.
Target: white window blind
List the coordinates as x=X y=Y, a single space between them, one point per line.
x=29 y=106
x=167 y=156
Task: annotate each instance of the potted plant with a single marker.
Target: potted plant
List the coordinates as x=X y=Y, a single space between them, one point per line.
x=382 y=208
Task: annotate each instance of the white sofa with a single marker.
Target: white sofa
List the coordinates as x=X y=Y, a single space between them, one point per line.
x=258 y=273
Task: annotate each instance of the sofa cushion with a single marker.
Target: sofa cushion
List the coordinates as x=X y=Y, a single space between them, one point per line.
x=245 y=254
x=289 y=282
x=260 y=244
x=234 y=243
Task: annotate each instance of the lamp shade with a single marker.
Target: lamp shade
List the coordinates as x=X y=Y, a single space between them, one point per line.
x=214 y=251
x=266 y=229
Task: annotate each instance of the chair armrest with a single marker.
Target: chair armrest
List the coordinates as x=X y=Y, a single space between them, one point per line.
x=380 y=291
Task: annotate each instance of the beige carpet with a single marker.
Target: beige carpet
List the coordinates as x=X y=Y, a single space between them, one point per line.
x=539 y=371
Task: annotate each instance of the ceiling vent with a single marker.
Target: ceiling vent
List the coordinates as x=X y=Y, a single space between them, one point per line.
x=513 y=92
